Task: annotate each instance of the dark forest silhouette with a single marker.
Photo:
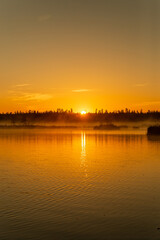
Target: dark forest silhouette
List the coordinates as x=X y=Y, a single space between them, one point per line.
x=68 y=116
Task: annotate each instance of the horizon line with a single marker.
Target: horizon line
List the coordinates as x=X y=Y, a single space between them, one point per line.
x=61 y=110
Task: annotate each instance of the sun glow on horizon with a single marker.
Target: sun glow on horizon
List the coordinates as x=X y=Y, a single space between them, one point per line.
x=83 y=112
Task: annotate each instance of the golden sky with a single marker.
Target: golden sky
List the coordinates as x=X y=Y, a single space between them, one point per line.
x=80 y=54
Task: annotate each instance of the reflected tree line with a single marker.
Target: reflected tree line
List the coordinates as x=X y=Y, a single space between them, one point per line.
x=69 y=116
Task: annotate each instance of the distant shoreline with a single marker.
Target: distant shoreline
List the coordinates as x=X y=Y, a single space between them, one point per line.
x=34 y=127
x=61 y=117
x=82 y=126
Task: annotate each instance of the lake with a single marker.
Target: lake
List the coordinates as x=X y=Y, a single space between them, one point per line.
x=79 y=184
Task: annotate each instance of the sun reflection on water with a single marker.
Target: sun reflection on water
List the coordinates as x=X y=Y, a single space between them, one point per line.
x=83 y=153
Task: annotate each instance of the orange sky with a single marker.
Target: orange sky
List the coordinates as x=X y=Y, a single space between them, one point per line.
x=83 y=55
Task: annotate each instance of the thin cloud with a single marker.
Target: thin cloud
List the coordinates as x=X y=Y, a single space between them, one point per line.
x=140 y=84
x=151 y=103
x=44 y=18
x=148 y=104
x=22 y=85
x=81 y=90
x=31 y=97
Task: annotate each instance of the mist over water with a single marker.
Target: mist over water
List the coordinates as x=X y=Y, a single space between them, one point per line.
x=79 y=184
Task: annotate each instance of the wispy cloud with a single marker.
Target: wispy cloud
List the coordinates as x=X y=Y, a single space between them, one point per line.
x=24 y=96
x=151 y=103
x=148 y=104
x=36 y=96
x=44 y=18
x=140 y=84
x=81 y=90
x=22 y=85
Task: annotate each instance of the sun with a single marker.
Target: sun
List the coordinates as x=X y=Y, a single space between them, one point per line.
x=83 y=112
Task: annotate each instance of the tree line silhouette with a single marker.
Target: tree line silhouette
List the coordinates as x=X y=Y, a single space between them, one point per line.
x=68 y=116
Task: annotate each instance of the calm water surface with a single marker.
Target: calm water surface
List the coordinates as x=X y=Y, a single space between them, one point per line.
x=79 y=185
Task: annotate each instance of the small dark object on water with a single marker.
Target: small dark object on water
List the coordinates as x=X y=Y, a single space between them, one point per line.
x=107 y=127
x=158 y=228
x=122 y=126
x=153 y=130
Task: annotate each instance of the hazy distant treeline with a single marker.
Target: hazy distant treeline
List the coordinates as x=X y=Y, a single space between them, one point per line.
x=60 y=115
